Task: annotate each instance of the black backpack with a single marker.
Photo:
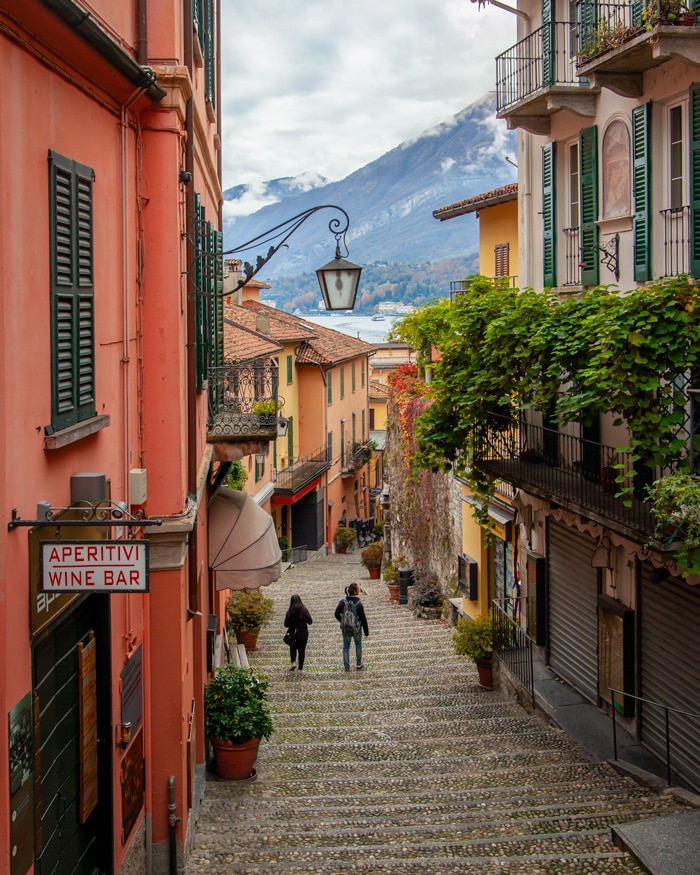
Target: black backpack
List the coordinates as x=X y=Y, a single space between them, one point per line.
x=349 y=621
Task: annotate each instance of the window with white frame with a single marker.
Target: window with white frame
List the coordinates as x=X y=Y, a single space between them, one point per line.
x=573 y=216
x=676 y=217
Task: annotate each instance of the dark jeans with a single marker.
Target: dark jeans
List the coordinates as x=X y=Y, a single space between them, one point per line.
x=297 y=651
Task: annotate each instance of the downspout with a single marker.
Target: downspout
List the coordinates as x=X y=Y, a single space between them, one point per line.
x=172 y=826
x=190 y=304
x=142 y=32
x=91 y=31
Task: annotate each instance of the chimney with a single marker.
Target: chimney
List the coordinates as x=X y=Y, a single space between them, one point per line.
x=262 y=323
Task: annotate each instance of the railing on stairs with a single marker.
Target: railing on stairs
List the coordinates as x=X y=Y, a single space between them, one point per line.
x=512 y=646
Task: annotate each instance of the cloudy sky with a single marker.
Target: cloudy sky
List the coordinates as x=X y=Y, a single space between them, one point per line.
x=326 y=86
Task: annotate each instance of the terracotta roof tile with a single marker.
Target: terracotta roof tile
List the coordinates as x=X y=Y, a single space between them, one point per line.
x=479 y=201
x=283 y=326
x=330 y=347
x=241 y=344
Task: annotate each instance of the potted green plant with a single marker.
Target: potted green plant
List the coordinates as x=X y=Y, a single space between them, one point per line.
x=264 y=407
x=344 y=538
x=474 y=638
x=247 y=612
x=391 y=578
x=285 y=547
x=237 y=719
x=371 y=558
x=676 y=512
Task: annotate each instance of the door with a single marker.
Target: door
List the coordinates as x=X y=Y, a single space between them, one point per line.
x=70 y=838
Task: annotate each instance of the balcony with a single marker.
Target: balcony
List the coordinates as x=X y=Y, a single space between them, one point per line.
x=243 y=402
x=577 y=474
x=625 y=40
x=297 y=476
x=353 y=456
x=459 y=287
x=537 y=77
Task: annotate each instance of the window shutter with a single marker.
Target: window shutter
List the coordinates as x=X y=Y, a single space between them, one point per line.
x=587 y=22
x=694 y=127
x=72 y=291
x=208 y=49
x=290 y=370
x=215 y=306
x=588 y=155
x=549 y=271
x=200 y=244
x=290 y=438
x=548 y=47
x=641 y=191
x=501 y=253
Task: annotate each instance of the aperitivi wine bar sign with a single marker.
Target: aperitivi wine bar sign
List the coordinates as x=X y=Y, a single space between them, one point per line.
x=94 y=566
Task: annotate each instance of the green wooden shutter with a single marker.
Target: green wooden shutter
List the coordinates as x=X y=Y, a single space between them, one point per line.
x=329 y=378
x=290 y=370
x=208 y=50
x=72 y=291
x=215 y=307
x=549 y=269
x=548 y=45
x=588 y=156
x=290 y=439
x=329 y=446
x=587 y=22
x=641 y=191
x=694 y=109
x=200 y=243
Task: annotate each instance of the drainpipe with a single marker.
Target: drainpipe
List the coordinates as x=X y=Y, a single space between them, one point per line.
x=190 y=256
x=172 y=826
x=91 y=31
x=142 y=32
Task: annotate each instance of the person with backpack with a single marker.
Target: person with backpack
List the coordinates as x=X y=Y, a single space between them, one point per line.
x=350 y=613
x=297 y=621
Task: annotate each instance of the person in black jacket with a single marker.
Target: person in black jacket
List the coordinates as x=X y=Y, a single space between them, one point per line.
x=352 y=596
x=297 y=620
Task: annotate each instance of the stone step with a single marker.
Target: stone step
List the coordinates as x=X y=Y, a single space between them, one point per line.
x=407 y=767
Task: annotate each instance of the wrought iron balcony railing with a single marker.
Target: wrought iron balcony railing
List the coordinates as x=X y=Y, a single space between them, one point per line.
x=541 y=60
x=676 y=223
x=243 y=401
x=299 y=474
x=578 y=474
x=629 y=28
x=353 y=455
x=573 y=257
x=459 y=287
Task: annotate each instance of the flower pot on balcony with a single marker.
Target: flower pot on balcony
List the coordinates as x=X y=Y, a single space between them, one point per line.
x=607 y=479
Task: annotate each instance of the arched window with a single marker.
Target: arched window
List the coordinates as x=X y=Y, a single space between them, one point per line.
x=616 y=171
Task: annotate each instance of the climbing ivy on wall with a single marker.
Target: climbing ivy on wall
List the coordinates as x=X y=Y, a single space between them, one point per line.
x=603 y=351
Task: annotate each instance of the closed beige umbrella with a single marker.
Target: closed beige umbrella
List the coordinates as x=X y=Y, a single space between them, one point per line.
x=243 y=548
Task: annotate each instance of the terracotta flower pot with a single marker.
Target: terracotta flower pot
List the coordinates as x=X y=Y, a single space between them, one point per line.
x=234 y=762
x=393 y=592
x=341 y=548
x=485 y=670
x=374 y=573
x=248 y=638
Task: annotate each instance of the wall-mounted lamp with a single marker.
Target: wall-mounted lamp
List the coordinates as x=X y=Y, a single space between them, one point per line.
x=282 y=426
x=124 y=735
x=601 y=557
x=338 y=279
x=185 y=177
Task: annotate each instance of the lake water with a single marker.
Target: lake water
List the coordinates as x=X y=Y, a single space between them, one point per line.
x=363 y=327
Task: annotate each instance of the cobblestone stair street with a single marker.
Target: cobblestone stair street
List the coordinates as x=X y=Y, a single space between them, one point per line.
x=406 y=767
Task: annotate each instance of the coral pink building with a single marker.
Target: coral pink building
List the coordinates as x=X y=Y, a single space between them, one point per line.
x=110 y=196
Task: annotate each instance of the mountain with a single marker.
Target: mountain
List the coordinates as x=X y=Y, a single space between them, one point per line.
x=391 y=200
x=242 y=200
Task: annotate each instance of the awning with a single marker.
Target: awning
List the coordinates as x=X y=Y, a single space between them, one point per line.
x=243 y=548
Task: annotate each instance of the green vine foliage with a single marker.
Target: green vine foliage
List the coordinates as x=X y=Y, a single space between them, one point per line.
x=237 y=475
x=601 y=352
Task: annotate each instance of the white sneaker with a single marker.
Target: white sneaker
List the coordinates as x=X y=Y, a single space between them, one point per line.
x=293 y=666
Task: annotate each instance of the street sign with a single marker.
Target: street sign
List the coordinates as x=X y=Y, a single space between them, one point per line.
x=94 y=566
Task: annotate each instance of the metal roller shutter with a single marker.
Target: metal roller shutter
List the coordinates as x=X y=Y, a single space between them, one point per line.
x=670 y=669
x=573 y=608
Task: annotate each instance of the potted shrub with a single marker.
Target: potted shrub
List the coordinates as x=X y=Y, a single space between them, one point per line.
x=237 y=718
x=391 y=578
x=344 y=538
x=428 y=602
x=248 y=611
x=676 y=510
x=371 y=558
x=285 y=547
x=474 y=638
